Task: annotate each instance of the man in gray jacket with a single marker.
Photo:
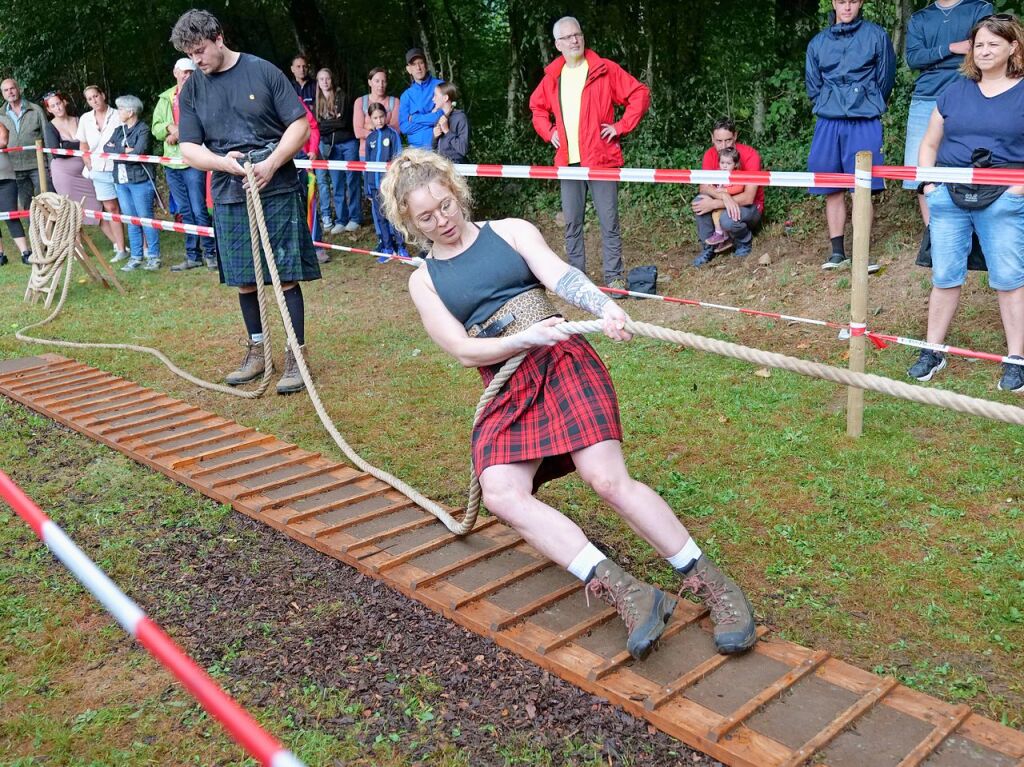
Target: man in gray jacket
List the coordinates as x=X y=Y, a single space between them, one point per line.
x=25 y=122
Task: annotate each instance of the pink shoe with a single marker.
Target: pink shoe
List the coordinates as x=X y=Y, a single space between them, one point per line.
x=717 y=238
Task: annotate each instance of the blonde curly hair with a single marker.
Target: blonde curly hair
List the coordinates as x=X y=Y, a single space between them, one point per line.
x=411 y=170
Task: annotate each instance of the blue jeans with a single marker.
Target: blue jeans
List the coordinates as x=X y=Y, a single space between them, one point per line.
x=917 y=123
x=1000 y=229
x=137 y=200
x=341 y=185
x=188 y=186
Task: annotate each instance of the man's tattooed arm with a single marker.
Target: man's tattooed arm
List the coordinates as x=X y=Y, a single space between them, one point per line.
x=579 y=291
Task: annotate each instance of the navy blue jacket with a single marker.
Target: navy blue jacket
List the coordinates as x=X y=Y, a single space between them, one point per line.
x=929 y=34
x=382 y=145
x=850 y=70
x=416 y=114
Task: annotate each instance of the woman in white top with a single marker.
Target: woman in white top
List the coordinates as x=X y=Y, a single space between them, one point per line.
x=95 y=128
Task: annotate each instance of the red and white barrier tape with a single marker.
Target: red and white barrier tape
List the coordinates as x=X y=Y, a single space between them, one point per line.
x=152 y=223
x=13 y=214
x=243 y=728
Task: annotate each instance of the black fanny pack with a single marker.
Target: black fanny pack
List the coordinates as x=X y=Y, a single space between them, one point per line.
x=978 y=196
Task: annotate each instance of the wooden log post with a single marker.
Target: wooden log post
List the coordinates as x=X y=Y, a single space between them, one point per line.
x=41 y=165
x=859 y=289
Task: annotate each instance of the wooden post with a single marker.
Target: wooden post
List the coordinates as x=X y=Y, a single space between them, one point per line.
x=41 y=165
x=859 y=289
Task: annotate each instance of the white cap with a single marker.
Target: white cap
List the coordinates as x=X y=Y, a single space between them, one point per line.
x=185 y=65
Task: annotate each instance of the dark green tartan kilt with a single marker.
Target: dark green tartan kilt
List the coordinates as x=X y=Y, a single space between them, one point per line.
x=294 y=254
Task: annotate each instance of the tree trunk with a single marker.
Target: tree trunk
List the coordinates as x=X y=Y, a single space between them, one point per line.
x=760 y=108
x=311 y=34
x=545 y=47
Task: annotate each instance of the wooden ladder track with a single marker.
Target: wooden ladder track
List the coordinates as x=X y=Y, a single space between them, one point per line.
x=523 y=604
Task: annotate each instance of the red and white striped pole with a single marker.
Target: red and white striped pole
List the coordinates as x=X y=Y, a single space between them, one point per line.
x=260 y=744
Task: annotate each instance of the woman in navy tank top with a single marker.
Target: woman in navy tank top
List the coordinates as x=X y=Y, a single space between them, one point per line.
x=558 y=412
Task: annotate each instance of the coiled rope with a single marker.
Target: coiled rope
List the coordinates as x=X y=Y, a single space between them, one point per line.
x=460 y=526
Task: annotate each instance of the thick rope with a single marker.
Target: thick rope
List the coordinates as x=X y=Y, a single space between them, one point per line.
x=52 y=249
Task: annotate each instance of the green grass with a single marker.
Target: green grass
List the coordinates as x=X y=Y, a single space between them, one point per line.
x=900 y=551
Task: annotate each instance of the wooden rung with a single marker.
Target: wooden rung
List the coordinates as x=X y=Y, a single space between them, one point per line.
x=234 y=432
x=337 y=527
x=766 y=695
x=77 y=377
x=482 y=523
x=534 y=607
x=506 y=580
x=185 y=410
x=88 y=388
x=687 y=680
x=468 y=561
x=122 y=387
x=192 y=460
x=45 y=368
x=277 y=483
x=337 y=503
x=119 y=406
x=575 y=632
x=198 y=418
x=301 y=458
x=927 y=747
x=145 y=408
x=242 y=460
x=312 y=492
x=217 y=423
x=620 y=659
x=840 y=723
x=416 y=524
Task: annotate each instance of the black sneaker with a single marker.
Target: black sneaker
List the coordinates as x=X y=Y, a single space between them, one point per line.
x=3 y=260
x=705 y=256
x=836 y=261
x=25 y=256
x=185 y=265
x=1013 y=375
x=927 y=365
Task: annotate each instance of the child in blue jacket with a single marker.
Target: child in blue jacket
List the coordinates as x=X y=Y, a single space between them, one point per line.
x=382 y=145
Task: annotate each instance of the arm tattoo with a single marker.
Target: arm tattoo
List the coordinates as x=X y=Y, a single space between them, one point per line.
x=579 y=291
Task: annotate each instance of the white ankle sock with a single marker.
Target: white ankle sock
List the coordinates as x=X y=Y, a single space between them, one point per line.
x=583 y=564
x=685 y=558
x=257 y=338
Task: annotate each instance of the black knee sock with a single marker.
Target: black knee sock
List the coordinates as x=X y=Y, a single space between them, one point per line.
x=838 y=246
x=297 y=310
x=250 y=305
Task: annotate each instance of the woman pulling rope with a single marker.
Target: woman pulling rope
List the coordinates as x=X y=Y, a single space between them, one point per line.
x=481 y=297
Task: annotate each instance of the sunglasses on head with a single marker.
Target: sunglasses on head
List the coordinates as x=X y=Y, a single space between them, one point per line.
x=1001 y=17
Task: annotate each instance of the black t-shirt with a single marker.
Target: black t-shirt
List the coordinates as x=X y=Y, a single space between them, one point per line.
x=246 y=107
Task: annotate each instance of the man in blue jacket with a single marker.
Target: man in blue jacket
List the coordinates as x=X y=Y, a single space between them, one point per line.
x=937 y=40
x=850 y=73
x=416 y=113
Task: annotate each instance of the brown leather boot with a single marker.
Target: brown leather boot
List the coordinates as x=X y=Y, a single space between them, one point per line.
x=291 y=380
x=735 y=630
x=252 y=366
x=644 y=609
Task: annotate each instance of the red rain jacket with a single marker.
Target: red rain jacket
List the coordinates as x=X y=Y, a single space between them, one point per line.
x=607 y=85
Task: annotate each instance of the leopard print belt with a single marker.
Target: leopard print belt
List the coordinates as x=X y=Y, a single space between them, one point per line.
x=516 y=314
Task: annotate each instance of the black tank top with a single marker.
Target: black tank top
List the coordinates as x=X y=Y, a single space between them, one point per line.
x=481 y=279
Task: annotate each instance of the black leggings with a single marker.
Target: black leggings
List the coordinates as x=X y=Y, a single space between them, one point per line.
x=9 y=202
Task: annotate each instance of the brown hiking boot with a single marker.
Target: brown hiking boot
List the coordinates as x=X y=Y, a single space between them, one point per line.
x=252 y=365
x=644 y=609
x=735 y=630
x=291 y=380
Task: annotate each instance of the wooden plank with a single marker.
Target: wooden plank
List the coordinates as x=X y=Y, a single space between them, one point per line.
x=927 y=747
x=45 y=367
x=228 y=432
x=537 y=605
x=482 y=523
x=241 y=477
x=337 y=527
x=620 y=659
x=575 y=632
x=133 y=400
x=506 y=580
x=317 y=471
x=198 y=418
x=63 y=380
x=215 y=422
x=840 y=723
x=181 y=409
x=144 y=407
x=192 y=460
x=465 y=562
x=416 y=524
x=87 y=388
x=337 y=503
x=125 y=387
x=242 y=461
x=768 y=694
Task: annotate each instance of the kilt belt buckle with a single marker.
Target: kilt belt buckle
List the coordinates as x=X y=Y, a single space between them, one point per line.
x=517 y=314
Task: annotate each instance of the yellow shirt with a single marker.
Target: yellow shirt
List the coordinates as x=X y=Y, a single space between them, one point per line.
x=571 y=95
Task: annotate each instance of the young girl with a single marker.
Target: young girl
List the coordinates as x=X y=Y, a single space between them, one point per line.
x=451 y=134
x=728 y=159
x=382 y=145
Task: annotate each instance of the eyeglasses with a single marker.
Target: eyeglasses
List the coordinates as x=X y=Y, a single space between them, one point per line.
x=567 y=38
x=428 y=221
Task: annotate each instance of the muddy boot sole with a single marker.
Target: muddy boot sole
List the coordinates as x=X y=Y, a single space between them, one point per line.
x=236 y=381
x=644 y=635
x=291 y=388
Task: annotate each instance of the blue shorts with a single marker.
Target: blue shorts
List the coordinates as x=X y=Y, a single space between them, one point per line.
x=917 y=125
x=836 y=143
x=1000 y=229
x=103 y=183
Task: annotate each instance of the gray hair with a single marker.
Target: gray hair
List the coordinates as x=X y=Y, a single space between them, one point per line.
x=565 y=20
x=132 y=103
x=193 y=28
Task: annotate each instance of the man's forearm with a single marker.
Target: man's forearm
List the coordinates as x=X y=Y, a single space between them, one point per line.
x=201 y=158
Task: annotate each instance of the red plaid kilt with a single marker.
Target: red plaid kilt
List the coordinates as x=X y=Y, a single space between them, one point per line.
x=561 y=399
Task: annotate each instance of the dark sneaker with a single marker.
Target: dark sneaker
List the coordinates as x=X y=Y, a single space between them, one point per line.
x=716 y=239
x=836 y=261
x=735 y=630
x=211 y=263
x=1013 y=375
x=185 y=265
x=644 y=609
x=724 y=247
x=928 y=364
x=619 y=284
x=291 y=380
x=25 y=256
x=705 y=257
x=252 y=366
x=742 y=251
x=3 y=260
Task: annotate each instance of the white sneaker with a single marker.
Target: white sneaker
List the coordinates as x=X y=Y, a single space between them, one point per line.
x=119 y=256
x=352 y=226
x=337 y=229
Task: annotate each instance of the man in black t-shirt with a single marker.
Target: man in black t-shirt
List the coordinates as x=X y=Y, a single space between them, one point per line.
x=236 y=104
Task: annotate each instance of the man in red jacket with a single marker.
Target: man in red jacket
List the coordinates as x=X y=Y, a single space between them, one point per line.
x=574 y=109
